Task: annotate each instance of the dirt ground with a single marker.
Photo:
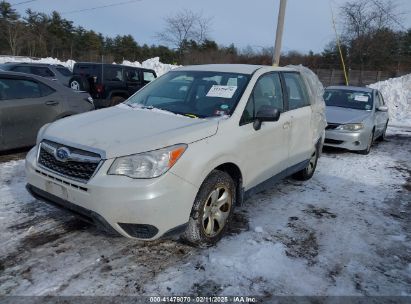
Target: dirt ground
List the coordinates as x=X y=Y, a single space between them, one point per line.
x=345 y=232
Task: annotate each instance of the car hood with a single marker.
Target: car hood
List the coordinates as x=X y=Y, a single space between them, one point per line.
x=340 y=115
x=122 y=130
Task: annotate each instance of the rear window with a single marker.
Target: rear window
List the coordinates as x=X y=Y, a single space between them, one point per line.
x=42 y=71
x=22 y=69
x=64 y=71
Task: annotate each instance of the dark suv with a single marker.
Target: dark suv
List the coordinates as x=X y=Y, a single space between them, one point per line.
x=56 y=72
x=109 y=84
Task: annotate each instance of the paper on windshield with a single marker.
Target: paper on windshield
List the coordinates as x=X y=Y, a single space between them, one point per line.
x=362 y=98
x=222 y=91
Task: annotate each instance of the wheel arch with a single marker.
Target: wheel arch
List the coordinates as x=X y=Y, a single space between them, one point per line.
x=235 y=173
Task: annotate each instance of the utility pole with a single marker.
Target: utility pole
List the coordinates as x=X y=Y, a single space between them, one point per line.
x=279 y=35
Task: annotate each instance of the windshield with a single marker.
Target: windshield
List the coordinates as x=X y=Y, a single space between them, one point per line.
x=193 y=93
x=359 y=100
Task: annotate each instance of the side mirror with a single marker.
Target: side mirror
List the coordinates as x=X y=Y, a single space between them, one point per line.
x=266 y=113
x=382 y=109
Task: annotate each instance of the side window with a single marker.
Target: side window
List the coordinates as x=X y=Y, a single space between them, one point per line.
x=297 y=96
x=113 y=74
x=18 y=89
x=42 y=71
x=267 y=91
x=22 y=69
x=45 y=90
x=132 y=75
x=149 y=76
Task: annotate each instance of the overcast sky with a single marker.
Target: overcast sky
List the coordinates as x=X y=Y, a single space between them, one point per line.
x=242 y=22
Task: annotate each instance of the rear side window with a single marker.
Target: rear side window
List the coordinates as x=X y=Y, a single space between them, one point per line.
x=22 y=69
x=18 y=89
x=46 y=90
x=296 y=93
x=42 y=71
x=64 y=71
x=113 y=74
x=132 y=75
x=149 y=76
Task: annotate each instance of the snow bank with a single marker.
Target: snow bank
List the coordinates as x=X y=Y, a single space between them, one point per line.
x=397 y=96
x=152 y=63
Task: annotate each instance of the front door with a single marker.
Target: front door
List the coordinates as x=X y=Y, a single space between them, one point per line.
x=265 y=150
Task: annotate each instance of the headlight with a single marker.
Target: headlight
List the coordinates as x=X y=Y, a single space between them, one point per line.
x=41 y=133
x=90 y=100
x=148 y=164
x=351 y=127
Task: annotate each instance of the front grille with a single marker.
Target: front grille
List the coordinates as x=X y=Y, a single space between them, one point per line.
x=80 y=165
x=331 y=126
x=333 y=141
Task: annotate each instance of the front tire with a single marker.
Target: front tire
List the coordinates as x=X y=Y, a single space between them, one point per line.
x=212 y=210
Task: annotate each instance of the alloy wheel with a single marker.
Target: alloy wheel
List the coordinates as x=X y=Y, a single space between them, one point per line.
x=216 y=211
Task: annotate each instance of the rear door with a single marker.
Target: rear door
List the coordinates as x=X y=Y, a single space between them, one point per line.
x=25 y=106
x=298 y=104
x=134 y=80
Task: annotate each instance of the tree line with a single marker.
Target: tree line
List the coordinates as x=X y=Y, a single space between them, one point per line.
x=372 y=38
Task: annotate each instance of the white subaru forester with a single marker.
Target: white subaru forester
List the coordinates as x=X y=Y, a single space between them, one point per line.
x=182 y=152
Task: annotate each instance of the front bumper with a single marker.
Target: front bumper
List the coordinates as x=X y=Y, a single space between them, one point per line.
x=138 y=208
x=354 y=141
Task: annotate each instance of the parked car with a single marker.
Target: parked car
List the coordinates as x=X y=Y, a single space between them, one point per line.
x=56 y=72
x=27 y=102
x=109 y=84
x=356 y=117
x=181 y=153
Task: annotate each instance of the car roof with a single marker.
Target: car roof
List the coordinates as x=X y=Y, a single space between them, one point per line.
x=113 y=64
x=229 y=68
x=351 y=88
x=32 y=76
x=32 y=63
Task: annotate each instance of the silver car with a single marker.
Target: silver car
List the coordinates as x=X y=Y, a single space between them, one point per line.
x=356 y=117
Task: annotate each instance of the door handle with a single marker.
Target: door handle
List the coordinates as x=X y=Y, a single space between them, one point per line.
x=52 y=103
x=286 y=125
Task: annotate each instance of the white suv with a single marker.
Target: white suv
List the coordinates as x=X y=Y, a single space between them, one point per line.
x=182 y=152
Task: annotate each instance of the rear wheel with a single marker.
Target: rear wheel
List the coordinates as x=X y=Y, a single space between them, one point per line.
x=115 y=100
x=308 y=171
x=212 y=210
x=78 y=83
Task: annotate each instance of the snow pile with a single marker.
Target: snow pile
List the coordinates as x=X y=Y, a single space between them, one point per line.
x=397 y=96
x=152 y=63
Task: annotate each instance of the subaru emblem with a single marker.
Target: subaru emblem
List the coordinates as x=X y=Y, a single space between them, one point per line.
x=62 y=154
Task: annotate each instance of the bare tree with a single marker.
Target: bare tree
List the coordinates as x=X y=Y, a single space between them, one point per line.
x=11 y=27
x=362 y=20
x=183 y=27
